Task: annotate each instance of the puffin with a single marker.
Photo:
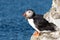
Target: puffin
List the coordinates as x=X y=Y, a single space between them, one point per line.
x=38 y=22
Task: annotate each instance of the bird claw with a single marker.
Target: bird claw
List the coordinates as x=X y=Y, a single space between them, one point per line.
x=36 y=34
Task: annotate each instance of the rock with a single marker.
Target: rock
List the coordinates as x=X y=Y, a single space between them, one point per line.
x=47 y=36
x=53 y=13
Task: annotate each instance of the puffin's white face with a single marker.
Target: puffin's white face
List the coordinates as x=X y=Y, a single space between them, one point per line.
x=28 y=14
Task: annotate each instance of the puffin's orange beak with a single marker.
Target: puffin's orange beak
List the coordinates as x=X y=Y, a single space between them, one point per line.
x=24 y=14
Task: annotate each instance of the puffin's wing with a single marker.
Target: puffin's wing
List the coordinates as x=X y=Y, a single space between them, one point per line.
x=40 y=21
x=42 y=24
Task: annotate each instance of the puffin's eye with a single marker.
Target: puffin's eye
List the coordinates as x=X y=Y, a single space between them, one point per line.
x=29 y=11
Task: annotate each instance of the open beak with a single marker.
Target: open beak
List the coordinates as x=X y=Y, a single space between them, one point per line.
x=24 y=14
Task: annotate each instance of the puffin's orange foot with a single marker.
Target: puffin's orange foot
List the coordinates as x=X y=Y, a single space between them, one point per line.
x=36 y=34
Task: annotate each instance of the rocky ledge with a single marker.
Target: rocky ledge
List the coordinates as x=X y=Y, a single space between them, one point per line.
x=54 y=12
x=47 y=36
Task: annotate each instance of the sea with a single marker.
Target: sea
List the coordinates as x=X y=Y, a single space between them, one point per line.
x=13 y=26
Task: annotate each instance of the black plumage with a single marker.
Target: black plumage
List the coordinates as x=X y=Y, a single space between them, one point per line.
x=39 y=21
x=42 y=24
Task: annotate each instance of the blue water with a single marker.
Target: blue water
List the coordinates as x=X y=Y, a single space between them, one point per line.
x=13 y=26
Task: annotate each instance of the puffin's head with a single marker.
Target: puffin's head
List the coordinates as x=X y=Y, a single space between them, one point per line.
x=29 y=13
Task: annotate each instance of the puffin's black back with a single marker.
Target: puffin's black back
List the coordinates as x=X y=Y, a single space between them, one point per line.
x=43 y=24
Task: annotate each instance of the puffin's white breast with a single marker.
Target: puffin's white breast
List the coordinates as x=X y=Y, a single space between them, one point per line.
x=31 y=22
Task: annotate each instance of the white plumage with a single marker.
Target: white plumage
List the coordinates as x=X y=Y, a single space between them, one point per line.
x=31 y=22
